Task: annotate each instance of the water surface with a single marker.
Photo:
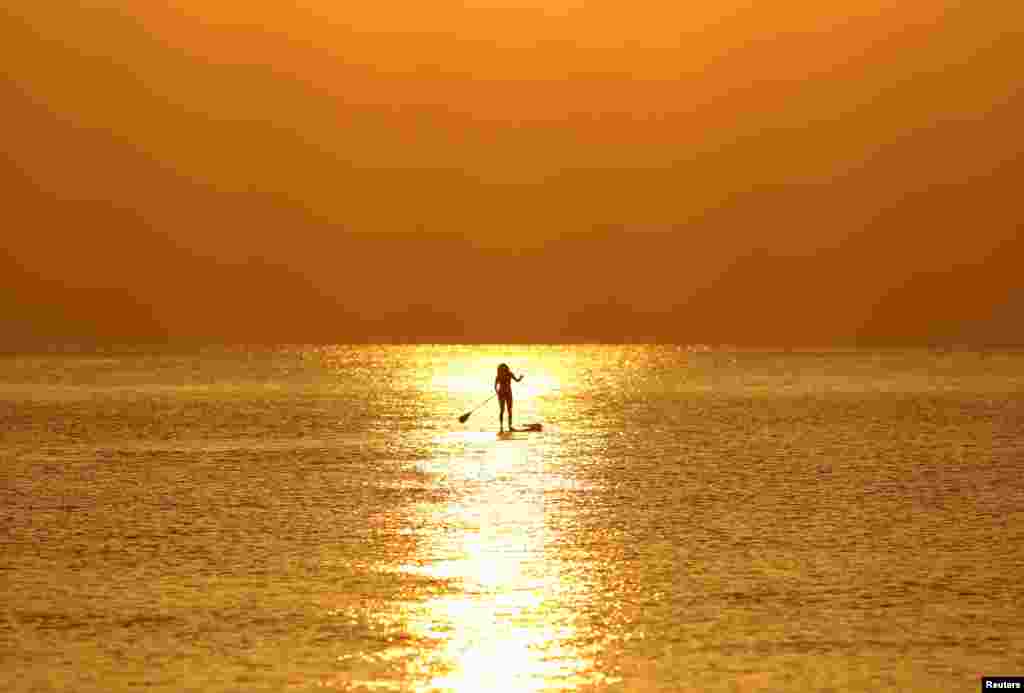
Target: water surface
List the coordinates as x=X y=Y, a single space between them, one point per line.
x=689 y=520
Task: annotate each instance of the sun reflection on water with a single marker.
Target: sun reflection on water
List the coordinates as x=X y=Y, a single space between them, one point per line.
x=470 y=377
x=500 y=630
x=503 y=620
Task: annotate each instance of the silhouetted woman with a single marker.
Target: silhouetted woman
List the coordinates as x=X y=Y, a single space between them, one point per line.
x=503 y=386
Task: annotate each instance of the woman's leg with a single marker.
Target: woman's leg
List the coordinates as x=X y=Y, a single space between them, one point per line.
x=501 y=414
x=510 y=412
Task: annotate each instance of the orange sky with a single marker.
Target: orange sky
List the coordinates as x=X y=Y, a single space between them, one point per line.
x=764 y=173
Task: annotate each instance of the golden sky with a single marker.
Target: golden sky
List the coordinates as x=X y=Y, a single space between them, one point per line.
x=755 y=172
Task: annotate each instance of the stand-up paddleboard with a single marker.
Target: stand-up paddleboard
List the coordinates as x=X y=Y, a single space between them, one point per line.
x=528 y=428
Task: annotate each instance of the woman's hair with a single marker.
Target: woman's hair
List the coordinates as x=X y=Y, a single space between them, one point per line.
x=502 y=368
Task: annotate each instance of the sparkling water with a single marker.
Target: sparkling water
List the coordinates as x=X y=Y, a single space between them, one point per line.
x=690 y=519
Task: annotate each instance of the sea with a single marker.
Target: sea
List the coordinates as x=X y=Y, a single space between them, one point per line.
x=690 y=518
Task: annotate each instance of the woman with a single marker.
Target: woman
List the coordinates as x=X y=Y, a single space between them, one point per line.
x=503 y=386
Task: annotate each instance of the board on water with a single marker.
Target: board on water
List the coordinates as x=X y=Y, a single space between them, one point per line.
x=528 y=428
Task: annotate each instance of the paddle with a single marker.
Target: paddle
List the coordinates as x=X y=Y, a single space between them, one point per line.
x=465 y=417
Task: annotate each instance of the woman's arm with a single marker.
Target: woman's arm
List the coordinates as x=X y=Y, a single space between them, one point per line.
x=518 y=379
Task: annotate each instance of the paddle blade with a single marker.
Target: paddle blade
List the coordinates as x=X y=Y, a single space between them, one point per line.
x=465 y=417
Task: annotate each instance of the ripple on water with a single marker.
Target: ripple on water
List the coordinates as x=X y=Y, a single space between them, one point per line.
x=688 y=520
